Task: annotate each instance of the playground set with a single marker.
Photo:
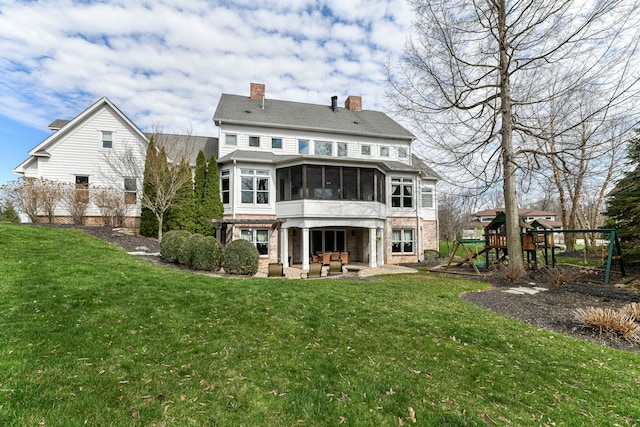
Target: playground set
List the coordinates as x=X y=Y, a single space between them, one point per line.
x=537 y=237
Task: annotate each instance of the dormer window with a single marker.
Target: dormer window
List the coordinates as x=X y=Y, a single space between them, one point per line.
x=107 y=139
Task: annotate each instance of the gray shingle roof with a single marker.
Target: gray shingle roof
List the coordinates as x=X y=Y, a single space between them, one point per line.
x=177 y=146
x=243 y=110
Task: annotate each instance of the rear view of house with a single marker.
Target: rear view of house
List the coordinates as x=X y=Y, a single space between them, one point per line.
x=302 y=180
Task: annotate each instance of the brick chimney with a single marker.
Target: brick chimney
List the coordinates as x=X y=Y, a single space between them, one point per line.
x=256 y=91
x=353 y=103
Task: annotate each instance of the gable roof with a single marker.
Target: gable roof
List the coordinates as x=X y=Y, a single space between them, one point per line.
x=242 y=110
x=65 y=126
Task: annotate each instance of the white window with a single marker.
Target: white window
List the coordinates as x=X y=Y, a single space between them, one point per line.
x=224 y=186
x=402 y=241
x=303 y=146
x=401 y=192
x=254 y=141
x=254 y=186
x=323 y=148
x=130 y=191
x=276 y=142
x=384 y=151
x=107 y=139
x=342 y=149
x=426 y=196
x=231 y=139
x=365 y=150
x=259 y=237
x=402 y=153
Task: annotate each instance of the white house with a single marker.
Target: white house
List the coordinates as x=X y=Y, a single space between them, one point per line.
x=299 y=179
x=79 y=151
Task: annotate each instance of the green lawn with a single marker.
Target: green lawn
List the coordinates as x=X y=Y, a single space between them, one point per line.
x=92 y=336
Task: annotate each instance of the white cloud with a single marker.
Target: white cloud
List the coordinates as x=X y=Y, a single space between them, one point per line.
x=168 y=61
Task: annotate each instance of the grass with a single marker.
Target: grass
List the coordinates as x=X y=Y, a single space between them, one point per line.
x=91 y=335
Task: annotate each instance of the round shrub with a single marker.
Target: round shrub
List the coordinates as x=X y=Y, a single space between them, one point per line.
x=206 y=252
x=185 y=254
x=171 y=243
x=240 y=257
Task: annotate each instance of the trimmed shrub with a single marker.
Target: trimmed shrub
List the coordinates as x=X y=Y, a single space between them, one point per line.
x=171 y=244
x=559 y=275
x=240 y=257
x=206 y=252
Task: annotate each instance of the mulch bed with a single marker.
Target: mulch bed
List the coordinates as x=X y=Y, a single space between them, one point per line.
x=553 y=309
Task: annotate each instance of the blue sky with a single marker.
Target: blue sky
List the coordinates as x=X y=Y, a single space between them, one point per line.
x=167 y=62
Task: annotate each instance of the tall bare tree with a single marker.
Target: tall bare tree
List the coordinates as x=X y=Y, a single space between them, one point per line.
x=475 y=68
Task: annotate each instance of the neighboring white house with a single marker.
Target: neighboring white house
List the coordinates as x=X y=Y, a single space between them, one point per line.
x=78 y=152
x=299 y=179
x=474 y=229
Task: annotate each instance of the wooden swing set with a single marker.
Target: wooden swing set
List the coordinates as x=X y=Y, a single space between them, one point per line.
x=537 y=236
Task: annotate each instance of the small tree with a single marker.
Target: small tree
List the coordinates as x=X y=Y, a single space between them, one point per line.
x=75 y=199
x=25 y=194
x=110 y=201
x=51 y=195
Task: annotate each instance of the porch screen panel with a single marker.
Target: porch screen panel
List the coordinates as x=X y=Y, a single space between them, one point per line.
x=366 y=185
x=284 y=187
x=332 y=183
x=314 y=182
x=349 y=184
x=296 y=183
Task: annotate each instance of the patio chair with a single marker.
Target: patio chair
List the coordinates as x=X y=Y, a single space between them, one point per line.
x=335 y=268
x=326 y=257
x=276 y=269
x=335 y=256
x=315 y=270
x=344 y=257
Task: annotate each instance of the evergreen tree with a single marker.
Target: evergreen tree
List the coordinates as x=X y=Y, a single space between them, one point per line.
x=9 y=213
x=202 y=226
x=623 y=207
x=181 y=214
x=212 y=207
x=199 y=176
x=148 y=220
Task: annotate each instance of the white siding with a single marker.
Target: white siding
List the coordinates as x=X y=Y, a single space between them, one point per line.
x=290 y=142
x=79 y=152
